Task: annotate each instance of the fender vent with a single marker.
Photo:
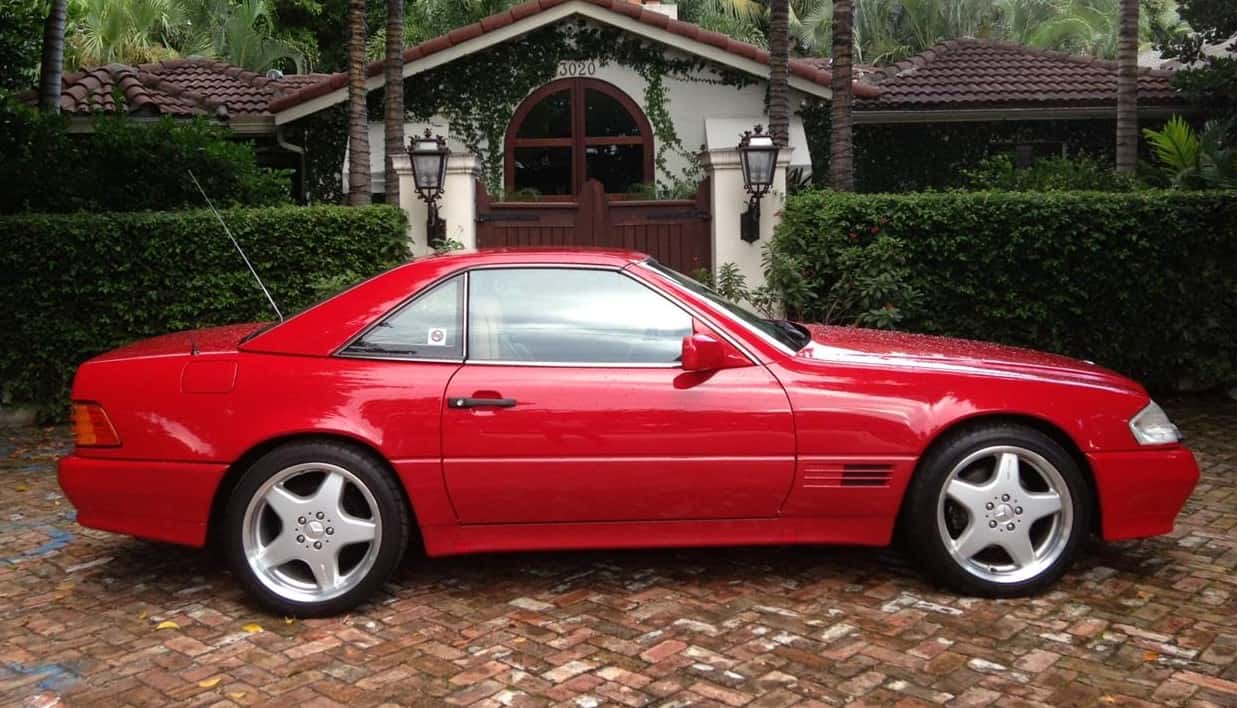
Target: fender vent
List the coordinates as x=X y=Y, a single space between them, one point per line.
x=847 y=475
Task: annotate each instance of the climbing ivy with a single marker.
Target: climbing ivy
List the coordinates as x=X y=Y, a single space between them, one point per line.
x=479 y=93
x=667 y=141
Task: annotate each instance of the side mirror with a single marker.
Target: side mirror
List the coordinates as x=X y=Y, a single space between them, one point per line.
x=703 y=352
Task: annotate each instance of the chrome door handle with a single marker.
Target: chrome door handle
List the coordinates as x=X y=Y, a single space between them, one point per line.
x=481 y=403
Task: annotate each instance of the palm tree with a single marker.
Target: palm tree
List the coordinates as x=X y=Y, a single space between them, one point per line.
x=122 y=31
x=779 y=58
x=841 y=139
x=358 y=119
x=393 y=119
x=53 y=58
x=426 y=19
x=239 y=32
x=886 y=31
x=1127 y=89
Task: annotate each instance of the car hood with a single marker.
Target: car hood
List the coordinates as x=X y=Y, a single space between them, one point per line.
x=854 y=344
x=208 y=340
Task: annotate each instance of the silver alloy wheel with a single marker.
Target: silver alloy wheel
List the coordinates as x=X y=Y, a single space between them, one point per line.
x=1005 y=514
x=293 y=539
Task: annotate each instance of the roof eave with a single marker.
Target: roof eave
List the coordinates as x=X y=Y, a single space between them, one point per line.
x=902 y=116
x=245 y=125
x=335 y=91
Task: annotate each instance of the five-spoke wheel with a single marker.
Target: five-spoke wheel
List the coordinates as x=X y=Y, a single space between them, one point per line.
x=315 y=527
x=998 y=510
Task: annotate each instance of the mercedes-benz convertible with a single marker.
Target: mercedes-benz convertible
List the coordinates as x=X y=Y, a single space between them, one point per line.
x=538 y=399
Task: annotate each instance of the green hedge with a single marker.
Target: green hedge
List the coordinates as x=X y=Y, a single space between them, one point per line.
x=1144 y=283
x=80 y=284
x=127 y=165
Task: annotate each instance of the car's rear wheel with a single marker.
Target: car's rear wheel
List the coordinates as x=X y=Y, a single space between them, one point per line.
x=315 y=528
x=998 y=511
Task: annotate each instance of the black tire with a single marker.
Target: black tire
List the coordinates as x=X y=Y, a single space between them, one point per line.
x=923 y=534
x=371 y=472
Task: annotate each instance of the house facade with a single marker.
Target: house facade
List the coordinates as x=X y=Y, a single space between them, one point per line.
x=611 y=123
x=588 y=122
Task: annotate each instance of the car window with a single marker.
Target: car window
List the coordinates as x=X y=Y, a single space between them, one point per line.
x=428 y=327
x=788 y=334
x=563 y=315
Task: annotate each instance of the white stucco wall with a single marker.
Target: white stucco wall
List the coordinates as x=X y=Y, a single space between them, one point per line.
x=690 y=103
x=377 y=148
x=706 y=114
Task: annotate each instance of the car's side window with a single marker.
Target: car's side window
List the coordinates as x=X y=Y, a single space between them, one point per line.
x=430 y=326
x=571 y=315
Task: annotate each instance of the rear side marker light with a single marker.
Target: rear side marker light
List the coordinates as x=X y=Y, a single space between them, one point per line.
x=92 y=428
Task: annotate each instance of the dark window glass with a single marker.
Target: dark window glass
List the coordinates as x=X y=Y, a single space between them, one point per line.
x=617 y=167
x=549 y=315
x=605 y=117
x=547 y=170
x=429 y=327
x=550 y=118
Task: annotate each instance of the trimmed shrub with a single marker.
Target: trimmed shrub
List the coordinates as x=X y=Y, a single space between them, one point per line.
x=1050 y=174
x=125 y=165
x=77 y=284
x=1144 y=282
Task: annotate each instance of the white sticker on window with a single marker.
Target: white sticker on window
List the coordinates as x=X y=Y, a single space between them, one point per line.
x=437 y=337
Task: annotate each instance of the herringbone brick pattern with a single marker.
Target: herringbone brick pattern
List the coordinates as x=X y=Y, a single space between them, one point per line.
x=1142 y=622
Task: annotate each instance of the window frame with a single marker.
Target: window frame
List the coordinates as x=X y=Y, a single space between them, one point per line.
x=411 y=300
x=621 y=272
x=699 y=319
x=578 y=142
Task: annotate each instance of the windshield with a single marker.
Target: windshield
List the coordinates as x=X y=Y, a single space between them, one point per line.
x=784 y=332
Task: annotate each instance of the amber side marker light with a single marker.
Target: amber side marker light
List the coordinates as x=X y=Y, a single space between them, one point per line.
x=91 y=426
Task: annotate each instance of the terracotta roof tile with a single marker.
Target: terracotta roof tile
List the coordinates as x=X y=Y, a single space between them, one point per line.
x=975 y=73
x=523 y=10
x=178 y=88
x=801 y=68
x=498 y=21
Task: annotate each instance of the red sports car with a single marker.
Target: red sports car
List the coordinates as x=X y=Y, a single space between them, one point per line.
x=538 y=399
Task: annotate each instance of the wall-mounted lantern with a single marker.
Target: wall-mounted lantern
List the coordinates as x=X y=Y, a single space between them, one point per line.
x=758 y=154
x=429 y=172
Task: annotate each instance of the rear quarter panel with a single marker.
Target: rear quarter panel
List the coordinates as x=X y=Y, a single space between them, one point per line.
x=394 y=407
x=181 y=408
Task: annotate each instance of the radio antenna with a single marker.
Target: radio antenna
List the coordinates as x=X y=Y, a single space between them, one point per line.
x=239 y=250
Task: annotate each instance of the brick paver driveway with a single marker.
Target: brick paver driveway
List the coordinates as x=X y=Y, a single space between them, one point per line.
x=91 y=618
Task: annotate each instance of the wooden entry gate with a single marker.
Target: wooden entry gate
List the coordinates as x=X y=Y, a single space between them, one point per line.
x=675 y=233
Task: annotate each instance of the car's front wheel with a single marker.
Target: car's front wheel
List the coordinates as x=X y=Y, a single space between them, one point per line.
x=998 y=511
x=314 y=528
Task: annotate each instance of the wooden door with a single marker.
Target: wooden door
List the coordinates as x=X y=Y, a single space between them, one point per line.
x=675 y=232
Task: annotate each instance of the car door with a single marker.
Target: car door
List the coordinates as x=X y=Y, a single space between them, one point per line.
x=571 y=406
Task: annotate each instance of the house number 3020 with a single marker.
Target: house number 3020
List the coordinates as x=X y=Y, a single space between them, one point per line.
x=577 y=68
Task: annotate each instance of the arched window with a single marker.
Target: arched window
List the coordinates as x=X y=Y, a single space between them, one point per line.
x=573 y=130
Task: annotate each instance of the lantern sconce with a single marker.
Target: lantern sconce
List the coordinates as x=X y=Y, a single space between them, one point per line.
x=758 y=156
x=429 y=155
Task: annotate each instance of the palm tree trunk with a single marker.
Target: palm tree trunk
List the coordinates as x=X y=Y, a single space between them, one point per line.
x=1127 y=88
x=779 y=59
x=53 y=58
x=841 y=139
x=358 y=119
x=394 y=116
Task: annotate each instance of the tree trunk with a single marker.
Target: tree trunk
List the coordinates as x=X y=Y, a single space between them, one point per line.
x=394 y=116
x=841 y=137
x=358 y=119
x=779 y=59
x=1127 y=88
x=52 y=67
